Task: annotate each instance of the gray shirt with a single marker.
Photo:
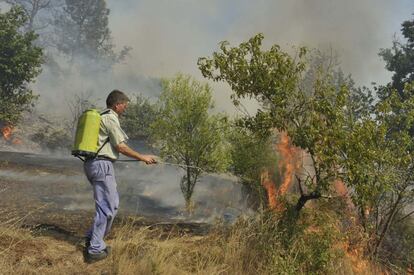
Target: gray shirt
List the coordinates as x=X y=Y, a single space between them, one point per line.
x=111 y=128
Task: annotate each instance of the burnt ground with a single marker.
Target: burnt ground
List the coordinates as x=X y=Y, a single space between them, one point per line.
x=27 y=202
x=49 y=198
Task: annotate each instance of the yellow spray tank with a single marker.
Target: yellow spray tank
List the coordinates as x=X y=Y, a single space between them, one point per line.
x=87 y=133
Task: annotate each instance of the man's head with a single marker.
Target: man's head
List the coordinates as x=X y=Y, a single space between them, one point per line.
x=117 y=101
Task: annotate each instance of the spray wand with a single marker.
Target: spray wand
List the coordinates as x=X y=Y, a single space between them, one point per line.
x=166 y=163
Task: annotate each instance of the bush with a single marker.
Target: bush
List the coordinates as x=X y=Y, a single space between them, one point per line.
x=50 y=138
x=138 y=117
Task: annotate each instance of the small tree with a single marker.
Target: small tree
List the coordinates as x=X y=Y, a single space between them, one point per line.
x=20 y=63
x=186 y=133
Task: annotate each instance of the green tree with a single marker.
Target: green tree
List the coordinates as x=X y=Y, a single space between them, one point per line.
x=186 y=133
x=314 y=118
x=20 y=63
x=399 y=189
x=395 y=108
x=345 y=133
x=138 y=118
x=378 y=165
x=399 y=59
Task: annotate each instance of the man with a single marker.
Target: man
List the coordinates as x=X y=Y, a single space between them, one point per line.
x=100 y=173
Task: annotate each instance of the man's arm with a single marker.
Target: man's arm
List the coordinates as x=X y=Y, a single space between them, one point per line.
x=127 y=151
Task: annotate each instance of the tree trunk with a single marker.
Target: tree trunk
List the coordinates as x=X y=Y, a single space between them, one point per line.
x=304 y=198
x=387 y=224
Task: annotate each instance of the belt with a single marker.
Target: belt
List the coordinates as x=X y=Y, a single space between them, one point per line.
x=105 y=158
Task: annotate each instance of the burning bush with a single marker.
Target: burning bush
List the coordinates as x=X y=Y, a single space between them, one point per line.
x=251 y=155
x=345 y=135
x=7 y=132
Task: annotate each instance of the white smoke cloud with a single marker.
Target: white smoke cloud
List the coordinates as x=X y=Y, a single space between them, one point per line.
x=169 y=36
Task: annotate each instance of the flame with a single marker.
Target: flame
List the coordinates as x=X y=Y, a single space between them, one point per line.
x=270 y=187
x=289 y=162
x=7 y=132
x=342 y=191
x=287 y=166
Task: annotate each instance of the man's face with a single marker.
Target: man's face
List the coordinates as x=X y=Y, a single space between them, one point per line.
x=121 y=107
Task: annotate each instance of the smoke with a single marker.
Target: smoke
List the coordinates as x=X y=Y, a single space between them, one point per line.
x=60 y=89
x=169 y=36
x=355 y=29
x=144 y=190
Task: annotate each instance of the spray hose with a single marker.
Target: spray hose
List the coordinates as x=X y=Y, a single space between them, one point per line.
x=166 y=163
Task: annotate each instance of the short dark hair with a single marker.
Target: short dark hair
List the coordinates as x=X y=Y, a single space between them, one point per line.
x=116 y=97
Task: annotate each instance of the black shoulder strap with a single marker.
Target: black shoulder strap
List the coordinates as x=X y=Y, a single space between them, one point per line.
x=105 y=112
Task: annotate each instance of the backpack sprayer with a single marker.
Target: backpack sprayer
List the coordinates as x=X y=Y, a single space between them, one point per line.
x=87 y=135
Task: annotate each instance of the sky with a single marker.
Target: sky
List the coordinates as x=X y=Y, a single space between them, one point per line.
x=169 y=36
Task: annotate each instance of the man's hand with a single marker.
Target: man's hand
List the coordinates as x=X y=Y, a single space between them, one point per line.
x=149 y=159
x=125 y=150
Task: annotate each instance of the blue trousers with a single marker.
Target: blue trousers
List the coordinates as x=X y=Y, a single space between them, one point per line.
x=100 y=174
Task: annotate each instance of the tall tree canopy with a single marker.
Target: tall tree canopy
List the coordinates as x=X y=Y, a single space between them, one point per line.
x=32 y=8
x=313 y=118
x=20 y=62
x=82 y=32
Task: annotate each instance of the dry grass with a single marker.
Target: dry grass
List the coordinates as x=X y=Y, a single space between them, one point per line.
x=254 y=246
x=22 y=253
x=144 y=252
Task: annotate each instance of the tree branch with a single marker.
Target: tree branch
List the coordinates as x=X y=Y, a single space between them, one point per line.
x=406 y=216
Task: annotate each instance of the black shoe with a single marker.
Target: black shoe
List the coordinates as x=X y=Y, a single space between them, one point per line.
x=91 y=258
x=108 y=250
x=87 y=242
